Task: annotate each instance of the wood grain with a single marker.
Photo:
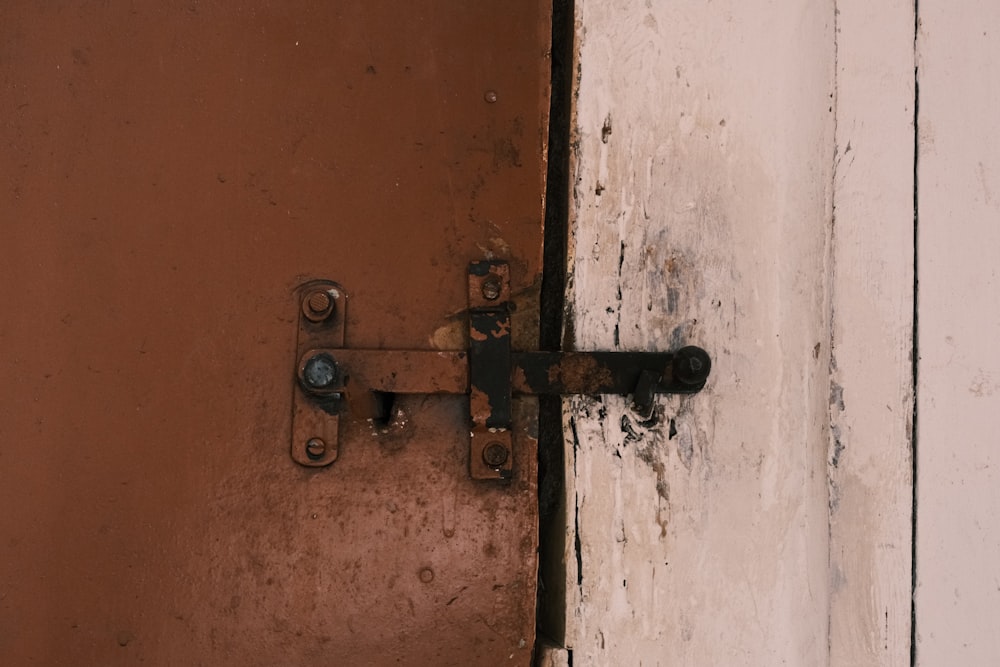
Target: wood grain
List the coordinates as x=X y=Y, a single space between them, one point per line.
x=702 y=209
x=958 y=479
x=871 y=374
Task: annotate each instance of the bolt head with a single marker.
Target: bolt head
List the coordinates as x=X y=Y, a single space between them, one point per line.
x=320 y=372
x=491 y=289
x=315 y=448
x=490 y=96
x=495 y=454
x=318 y=305
x=426 y=575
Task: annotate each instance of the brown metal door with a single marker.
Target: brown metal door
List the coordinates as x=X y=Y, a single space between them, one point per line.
x=171 y=173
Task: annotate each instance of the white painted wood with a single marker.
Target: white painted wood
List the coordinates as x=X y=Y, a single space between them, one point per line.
x=552 y=656
x=871 y=400
x=958 y=457
x=702 y=215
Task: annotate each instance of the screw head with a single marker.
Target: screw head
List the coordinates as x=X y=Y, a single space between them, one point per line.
x=490 y=96
x=315 y=448
x=426 y=575
x=320 y=372
x=318 y=305
x=491 y=289
x=495 y=454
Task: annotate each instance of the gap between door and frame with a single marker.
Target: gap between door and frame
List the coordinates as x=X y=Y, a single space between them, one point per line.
x=555 y=326
x=915 y=352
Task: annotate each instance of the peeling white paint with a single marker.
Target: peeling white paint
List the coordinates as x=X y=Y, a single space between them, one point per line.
x=704 y=182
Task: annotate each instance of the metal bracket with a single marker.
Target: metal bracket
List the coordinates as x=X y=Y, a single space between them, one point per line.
x=318 y=400
x=328 y=375
x=490 y=447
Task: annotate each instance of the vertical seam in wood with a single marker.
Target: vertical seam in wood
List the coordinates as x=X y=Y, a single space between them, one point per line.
x=834 y=442
x=577 y=542
x=914 y=354
x=577 y=545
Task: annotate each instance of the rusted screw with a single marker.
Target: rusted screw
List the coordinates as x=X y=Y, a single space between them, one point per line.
x=491 y=289
x=318 y=306
x=490 y=96
x=426 y=575
x=315 y=448
x=495 y=454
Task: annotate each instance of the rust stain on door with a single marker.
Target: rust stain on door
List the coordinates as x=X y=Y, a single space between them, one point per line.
x=170 y=172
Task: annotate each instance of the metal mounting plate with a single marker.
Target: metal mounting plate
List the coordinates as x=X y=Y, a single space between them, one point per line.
x=490 y=445
x=315 y=416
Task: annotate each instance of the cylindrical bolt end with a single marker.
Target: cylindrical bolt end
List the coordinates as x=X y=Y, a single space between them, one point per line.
x=692 y=365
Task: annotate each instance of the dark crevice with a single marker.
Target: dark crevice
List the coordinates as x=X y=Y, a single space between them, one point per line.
x=618 y=296
x=915 y=353
x=557 y=181
x=552 y=509
x=831 y=481
x=577 y=547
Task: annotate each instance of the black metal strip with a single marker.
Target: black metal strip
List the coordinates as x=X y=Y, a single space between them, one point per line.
x=489 y=368
x=550 y=373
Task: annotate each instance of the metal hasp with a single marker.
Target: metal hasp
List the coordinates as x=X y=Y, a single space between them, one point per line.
x=332 y=381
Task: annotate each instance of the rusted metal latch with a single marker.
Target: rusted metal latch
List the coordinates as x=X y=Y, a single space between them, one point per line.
x=329 y=376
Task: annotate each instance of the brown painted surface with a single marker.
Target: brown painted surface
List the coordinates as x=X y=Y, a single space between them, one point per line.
x=170 y=172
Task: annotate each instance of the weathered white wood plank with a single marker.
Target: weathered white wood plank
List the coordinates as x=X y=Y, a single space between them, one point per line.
x=702 y=211
x=958 y=395
x=871 y=400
